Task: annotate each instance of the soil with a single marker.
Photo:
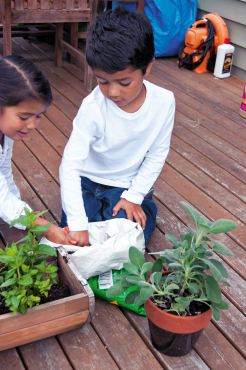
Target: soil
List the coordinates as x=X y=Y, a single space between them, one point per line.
x=195 y=308
x=56 y=292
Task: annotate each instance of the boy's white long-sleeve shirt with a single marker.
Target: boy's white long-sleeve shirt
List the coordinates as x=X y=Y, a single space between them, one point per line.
x=116 y=148
x=11 y=206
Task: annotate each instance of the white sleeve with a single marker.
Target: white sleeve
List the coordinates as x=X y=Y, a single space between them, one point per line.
x=153 y=162
x=11 y=206
x=75 y=153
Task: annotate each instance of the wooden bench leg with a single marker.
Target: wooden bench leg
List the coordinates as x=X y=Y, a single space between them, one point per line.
x=58 y=44
x=7 y=40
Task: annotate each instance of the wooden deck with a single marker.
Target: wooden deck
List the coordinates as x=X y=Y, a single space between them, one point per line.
x=206 y=166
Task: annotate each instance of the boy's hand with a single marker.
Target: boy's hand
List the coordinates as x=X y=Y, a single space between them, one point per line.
x=80 y=238
x=134 y=211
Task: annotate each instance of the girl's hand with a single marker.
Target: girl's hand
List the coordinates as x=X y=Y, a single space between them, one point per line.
x=56 y=234
x=80 y=238
x=134 y=212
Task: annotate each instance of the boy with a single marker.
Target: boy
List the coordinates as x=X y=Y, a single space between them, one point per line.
x=121 y=134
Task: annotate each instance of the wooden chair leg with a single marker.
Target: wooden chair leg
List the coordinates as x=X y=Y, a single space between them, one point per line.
x=7 y=39
x=74 y=40
x=58 y=44
x=89 y=78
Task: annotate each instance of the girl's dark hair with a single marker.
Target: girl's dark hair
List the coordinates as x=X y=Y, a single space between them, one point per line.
x=20 y=80
x=119 y=39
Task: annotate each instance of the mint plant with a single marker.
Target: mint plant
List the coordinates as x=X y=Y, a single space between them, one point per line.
x=25 y=274
x=184 y=279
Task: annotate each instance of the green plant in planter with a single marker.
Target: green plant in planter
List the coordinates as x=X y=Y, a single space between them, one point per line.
x=185 y=280
x=25 y=274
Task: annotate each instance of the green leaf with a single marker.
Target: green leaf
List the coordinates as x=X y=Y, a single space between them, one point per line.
x=212 y=289
x=193 y=288
x=128 y=266
x=196 y=216
x=133 y=279
x=15 y=301
x=136 y=257
x=39 y=229
x=115 y=290
x=8 y=282
x=171 y=238
x=158 y=265
x=7 y=259
x=219 y=247
x=216 y=268
x=46 y=249
x=26 y=280
x=130 y=298
x=215 y=312
x=222 y=226
x=144 y=295
x=219 y=266
x=147 y=266
x=155 y=278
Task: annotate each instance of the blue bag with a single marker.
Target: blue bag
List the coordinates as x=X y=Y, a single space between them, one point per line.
x=170 y=20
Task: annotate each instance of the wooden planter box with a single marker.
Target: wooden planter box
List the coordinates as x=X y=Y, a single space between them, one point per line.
x=51 y=318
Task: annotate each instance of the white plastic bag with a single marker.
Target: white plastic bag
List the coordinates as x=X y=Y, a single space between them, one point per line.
x=109 y=245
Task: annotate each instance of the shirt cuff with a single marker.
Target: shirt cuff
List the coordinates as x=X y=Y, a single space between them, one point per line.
x=132 y=196
x=78 y=225
x=21 y=212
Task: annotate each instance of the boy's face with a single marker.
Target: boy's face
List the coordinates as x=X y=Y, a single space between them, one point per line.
x=18 y=121
x=125 y=88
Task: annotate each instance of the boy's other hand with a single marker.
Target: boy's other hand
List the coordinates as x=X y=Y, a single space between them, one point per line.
x=80 y=238
x=134 y=212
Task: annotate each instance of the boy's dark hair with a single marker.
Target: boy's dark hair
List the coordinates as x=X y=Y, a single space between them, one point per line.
x=119 y=39
x=21 y=80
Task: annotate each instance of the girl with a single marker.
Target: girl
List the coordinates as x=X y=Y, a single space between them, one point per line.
x=25 y=95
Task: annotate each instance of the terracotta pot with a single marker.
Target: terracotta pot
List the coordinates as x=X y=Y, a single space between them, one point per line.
x=174 y=335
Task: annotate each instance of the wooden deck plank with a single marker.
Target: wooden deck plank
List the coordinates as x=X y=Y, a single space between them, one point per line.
x=212 y=188
x=205 y=166
x=203 y=202
x=211 y=152
x=212 y=139
x=44 y=354
x=85 y=350
x=115 y=331
x=217 y=351
x=203 y=111
x=207 y=96
x=221 y=176
x=10 y=360
x=224 y=130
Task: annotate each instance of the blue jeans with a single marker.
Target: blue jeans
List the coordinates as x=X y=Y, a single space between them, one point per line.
x=99 y=201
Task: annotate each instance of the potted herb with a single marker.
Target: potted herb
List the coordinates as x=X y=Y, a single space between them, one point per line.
x=30 y=274
x=181 y=290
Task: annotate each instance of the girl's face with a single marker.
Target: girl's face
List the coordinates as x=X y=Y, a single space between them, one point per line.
x=125 y=88
x=18 y=121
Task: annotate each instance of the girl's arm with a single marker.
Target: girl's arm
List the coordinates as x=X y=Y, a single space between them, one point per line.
x=11 y=206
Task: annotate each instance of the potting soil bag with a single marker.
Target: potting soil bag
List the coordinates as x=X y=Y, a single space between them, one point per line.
x=170 y=20
x=109 y=246
x=100 y=284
